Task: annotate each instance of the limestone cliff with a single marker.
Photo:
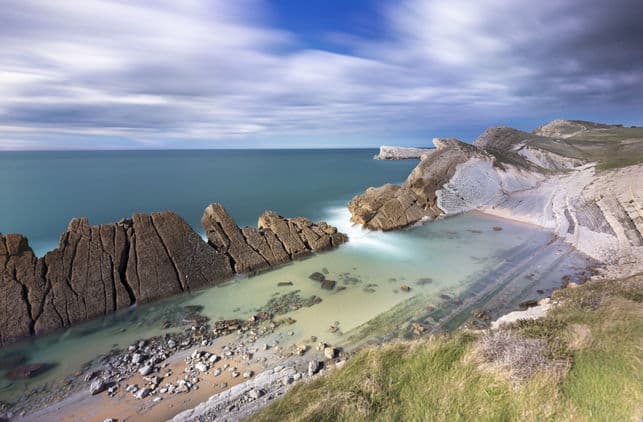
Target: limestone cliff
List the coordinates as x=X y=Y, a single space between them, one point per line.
x=549 y=181
x=96 y=270
x=401 y=153
x=456 y=177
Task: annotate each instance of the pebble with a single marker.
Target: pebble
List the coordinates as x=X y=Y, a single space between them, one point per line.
x=329 y=352
x=146 y=370
x=248 y=374
x=97 y=387
x=201 y=367
x=313 y=367
x=142 y=393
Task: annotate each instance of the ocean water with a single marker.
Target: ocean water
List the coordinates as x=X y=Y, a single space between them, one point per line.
x=462 y=257
x=41 y=191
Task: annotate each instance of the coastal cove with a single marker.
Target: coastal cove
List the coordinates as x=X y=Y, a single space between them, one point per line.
x=388 y=285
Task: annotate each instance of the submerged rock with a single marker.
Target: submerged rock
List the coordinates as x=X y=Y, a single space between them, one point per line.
x=28 y=370
x=328 y=284
x=317 y=276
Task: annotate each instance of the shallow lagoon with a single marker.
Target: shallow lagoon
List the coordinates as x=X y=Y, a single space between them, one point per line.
x=457 y=257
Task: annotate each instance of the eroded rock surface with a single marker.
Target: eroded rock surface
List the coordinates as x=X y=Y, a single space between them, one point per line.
x=96 y=270
x=391 y=207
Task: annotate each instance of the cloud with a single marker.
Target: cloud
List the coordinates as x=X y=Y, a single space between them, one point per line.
x=155 y=72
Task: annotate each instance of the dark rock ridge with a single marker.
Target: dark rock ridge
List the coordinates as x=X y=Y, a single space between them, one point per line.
x=96 y=270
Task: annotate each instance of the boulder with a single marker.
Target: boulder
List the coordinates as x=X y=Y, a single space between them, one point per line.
x=28 y=370
x=317 y=276
x=97 y=387
x=328 y=284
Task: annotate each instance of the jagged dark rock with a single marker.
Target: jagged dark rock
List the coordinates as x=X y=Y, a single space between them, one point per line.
x=96 y=270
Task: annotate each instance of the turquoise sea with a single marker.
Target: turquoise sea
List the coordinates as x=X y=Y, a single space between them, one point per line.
x=462 y=258
x=41 y=191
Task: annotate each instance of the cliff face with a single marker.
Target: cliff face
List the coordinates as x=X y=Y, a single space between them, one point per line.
x=97 y=270
x=456 y=177
x=532 y=178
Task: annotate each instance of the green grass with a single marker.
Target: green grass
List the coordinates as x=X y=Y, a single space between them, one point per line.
x=594 y=346
x=611 y=148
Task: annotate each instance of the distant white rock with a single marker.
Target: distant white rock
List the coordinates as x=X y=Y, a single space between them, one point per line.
x=402 y=153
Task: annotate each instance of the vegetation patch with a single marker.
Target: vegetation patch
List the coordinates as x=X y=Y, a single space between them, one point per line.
x=581 y=362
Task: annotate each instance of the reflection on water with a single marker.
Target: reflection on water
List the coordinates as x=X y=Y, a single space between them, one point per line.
x=435 y=261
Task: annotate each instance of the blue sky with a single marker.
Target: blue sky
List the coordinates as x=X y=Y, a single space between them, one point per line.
x=98 y=74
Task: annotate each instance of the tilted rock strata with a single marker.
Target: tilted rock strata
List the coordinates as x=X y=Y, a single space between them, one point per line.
x=401 y=153
x=97 y=270
x=433 y=185
x=516 y=174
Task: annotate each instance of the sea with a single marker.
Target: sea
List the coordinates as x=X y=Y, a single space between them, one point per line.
x=452 y=265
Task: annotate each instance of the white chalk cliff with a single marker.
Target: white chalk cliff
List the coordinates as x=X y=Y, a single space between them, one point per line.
x=526 y=177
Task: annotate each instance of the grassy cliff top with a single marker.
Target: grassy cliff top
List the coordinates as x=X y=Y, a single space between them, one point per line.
x=581 y=362
x=611 y=147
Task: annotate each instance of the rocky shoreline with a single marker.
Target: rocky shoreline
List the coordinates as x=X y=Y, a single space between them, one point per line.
x=549 y=178
x=97 y=270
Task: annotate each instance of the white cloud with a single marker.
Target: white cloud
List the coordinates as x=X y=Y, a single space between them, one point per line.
x=217 y=70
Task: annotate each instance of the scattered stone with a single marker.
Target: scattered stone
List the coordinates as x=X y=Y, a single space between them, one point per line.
x=137 y=358
x=329 y=352
x=313 y=367
x=316 y=276
x=201 y=367
x=97 y=387
x=284 y=283
x=497 y=228
x=248 y=374
x=328 y=284
x=142 y=393
x=405 y=288
x=325 y=271
x=146 y=370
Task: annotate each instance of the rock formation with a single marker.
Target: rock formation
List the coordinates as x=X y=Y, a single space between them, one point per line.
x=276 y=241
x=401 y=153
x=542 y=178
x=96 y=270
x=456 y=177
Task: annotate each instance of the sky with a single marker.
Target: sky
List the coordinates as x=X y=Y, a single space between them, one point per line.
x=163 y=74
